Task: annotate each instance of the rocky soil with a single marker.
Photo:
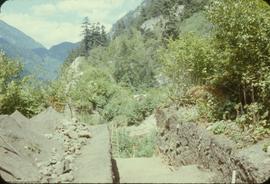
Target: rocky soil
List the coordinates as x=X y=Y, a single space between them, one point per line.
x=42 y=149
x=183 y=143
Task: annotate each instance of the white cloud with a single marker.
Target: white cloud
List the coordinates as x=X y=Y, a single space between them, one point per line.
x=56 y=21
x=44 y=10
x=46 y=32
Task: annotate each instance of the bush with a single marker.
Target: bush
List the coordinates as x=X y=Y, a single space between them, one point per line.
x=134 y=146
x=242 y=36
x=17 y=92
x=235 y=61
x=187 y=62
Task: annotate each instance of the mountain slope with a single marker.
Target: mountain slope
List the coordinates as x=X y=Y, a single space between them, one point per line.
x=16 y=37
x=61 y=50
x=159 y=12
x=37 y=60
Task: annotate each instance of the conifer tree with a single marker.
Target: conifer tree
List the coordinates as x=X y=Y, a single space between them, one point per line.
x=86 y=42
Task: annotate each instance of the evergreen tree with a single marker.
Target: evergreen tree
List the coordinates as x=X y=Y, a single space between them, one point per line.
x=94 y=35
x=104 y=38
x=86 y=42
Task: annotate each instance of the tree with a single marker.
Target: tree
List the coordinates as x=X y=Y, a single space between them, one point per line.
x=94 y=35
x=134 y=65
x=87 y=40
x=104 y=38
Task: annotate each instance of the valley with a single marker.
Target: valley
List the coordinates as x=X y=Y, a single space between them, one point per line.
x=155 y=91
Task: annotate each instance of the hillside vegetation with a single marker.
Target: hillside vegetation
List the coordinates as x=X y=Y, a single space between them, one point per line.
x=210 y=58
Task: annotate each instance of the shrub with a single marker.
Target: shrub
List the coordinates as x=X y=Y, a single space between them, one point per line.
x=135 y=146
x=187 y=62
x=242 y=36
x=17 y=92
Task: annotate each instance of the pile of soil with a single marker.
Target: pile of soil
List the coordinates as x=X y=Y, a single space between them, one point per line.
x=41 y=149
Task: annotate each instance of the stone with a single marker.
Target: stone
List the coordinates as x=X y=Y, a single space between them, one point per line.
x=75 y=120
x=53 y=161
x=67 y=168
x=77 y=152
x=67 y=177
x=72 y=149
x=71 y=134
x=54 y=176
x=69 y=157
x=85 y=134
x=46 y=171
x=59 y=168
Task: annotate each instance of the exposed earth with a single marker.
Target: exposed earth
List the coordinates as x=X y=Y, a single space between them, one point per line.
x=53 y=148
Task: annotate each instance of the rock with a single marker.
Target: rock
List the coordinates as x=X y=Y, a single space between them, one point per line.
x=67 y=168
x=72 y=149
x=77 y=152
x=59 y=168
x=75 y=120
x=85 y=134
x=54 y=176
x=46 y=171
x=71 y=134
x=53 y=161
x=67 y=177
x=70 y=158
x=39 y=164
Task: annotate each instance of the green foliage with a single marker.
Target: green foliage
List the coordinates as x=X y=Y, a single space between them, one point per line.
x=187 y=62
x=94 y=35
x=92 y=91
x=234 y=61
x=134 y=66
x=242 y=36
x=197 y=24
x=135 y=147
x=219 y=127
x=55 y=95
x=16 y=93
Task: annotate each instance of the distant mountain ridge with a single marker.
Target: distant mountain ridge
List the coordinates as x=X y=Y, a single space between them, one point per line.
x=37 y=60
x=17 y=37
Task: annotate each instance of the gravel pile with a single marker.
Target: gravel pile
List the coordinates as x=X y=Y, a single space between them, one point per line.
x=60 y=167
x=42 y=149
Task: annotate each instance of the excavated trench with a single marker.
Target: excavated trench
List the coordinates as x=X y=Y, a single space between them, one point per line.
x=50 y=148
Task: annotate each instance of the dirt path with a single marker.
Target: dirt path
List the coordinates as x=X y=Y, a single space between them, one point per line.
x=94 y=165
x=152 y=170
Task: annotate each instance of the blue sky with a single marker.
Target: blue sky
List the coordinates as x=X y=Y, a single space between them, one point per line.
x=53 y=21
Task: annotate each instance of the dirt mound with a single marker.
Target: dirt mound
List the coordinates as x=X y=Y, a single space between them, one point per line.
x=41 y=149
x=46 y=122
x=19 y=117
x=16 y=146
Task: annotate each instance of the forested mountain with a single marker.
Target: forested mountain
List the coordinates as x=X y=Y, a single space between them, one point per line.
x=62 y=50
x=167 y=14
x=37 y=60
